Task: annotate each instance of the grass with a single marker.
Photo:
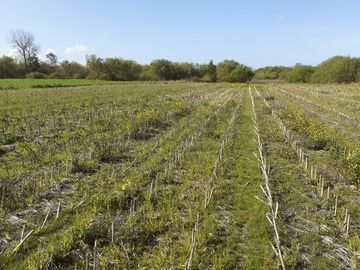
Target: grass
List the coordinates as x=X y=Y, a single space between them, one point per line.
x=237 y=232
x=105 y=197
x=321 y=223
x=130 y=165
x=48 y=83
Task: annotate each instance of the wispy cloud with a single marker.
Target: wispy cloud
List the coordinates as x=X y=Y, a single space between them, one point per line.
x=78 y=49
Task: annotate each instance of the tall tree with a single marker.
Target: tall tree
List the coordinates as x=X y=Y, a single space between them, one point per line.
x=211 y=71
x=95 y=65
x=52 y=59
x=163 y=69
x=8 y=67
x=338 y=69
x=232 y=71
x=300 y=73
x=24 y=43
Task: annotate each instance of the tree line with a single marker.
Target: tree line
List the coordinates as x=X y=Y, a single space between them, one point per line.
x=118 y=69
x=338 y=69
x=28 y=65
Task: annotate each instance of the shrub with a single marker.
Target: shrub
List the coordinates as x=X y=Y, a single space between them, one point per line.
x=337 y=69
x=207 y=78
x=232 y=71
x=300 y=74
x=55 y=75
x=35 y=75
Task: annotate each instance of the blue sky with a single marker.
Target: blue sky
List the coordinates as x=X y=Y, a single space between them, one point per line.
x=256 y=33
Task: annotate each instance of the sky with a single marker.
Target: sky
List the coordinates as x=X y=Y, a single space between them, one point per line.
x=256 y=33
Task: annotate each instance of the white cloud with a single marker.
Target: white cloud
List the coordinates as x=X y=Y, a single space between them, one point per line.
x=42 y=56
x=69 y=50
x=81 y=48
x=12 y=53
x=78 y=49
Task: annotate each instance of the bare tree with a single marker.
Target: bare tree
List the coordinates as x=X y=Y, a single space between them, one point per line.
x=24 y=43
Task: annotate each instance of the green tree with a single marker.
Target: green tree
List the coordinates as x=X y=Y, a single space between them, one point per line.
x=270 y=73
x=70 y=70
x=162 y=69
x=50 y=65
x=95 y=66
x=338 y=69
x=51 y=59
x=299 y=73
x=8 y=67
x=241 y=74
x=232 y=71
x=210 y=74
x=118 y=69
x=185 y=71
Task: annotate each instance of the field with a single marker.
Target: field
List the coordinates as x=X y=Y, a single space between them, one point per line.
x=48 y=83
x=180 y=176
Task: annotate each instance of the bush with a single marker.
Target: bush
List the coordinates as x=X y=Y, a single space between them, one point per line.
x=300 y=74
x=207 y=78
x=232 y=71
x=36 y=75
x=270 y=73
x=337 y=69
x=163 y=69
x=55 y=75
x=147 y=74
x=9 y=68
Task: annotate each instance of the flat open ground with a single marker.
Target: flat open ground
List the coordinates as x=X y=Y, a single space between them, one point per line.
x=49 y=83
x=180 y=176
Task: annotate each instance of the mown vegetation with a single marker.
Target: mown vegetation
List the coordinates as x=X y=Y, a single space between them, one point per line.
x=47 y=83
x=328 y=162
x=179 y=175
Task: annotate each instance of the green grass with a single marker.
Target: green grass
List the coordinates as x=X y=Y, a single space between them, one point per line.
x=299 y=193
x=140 y=156
x=94 y=120
x=236 y=234
x=48 y=83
